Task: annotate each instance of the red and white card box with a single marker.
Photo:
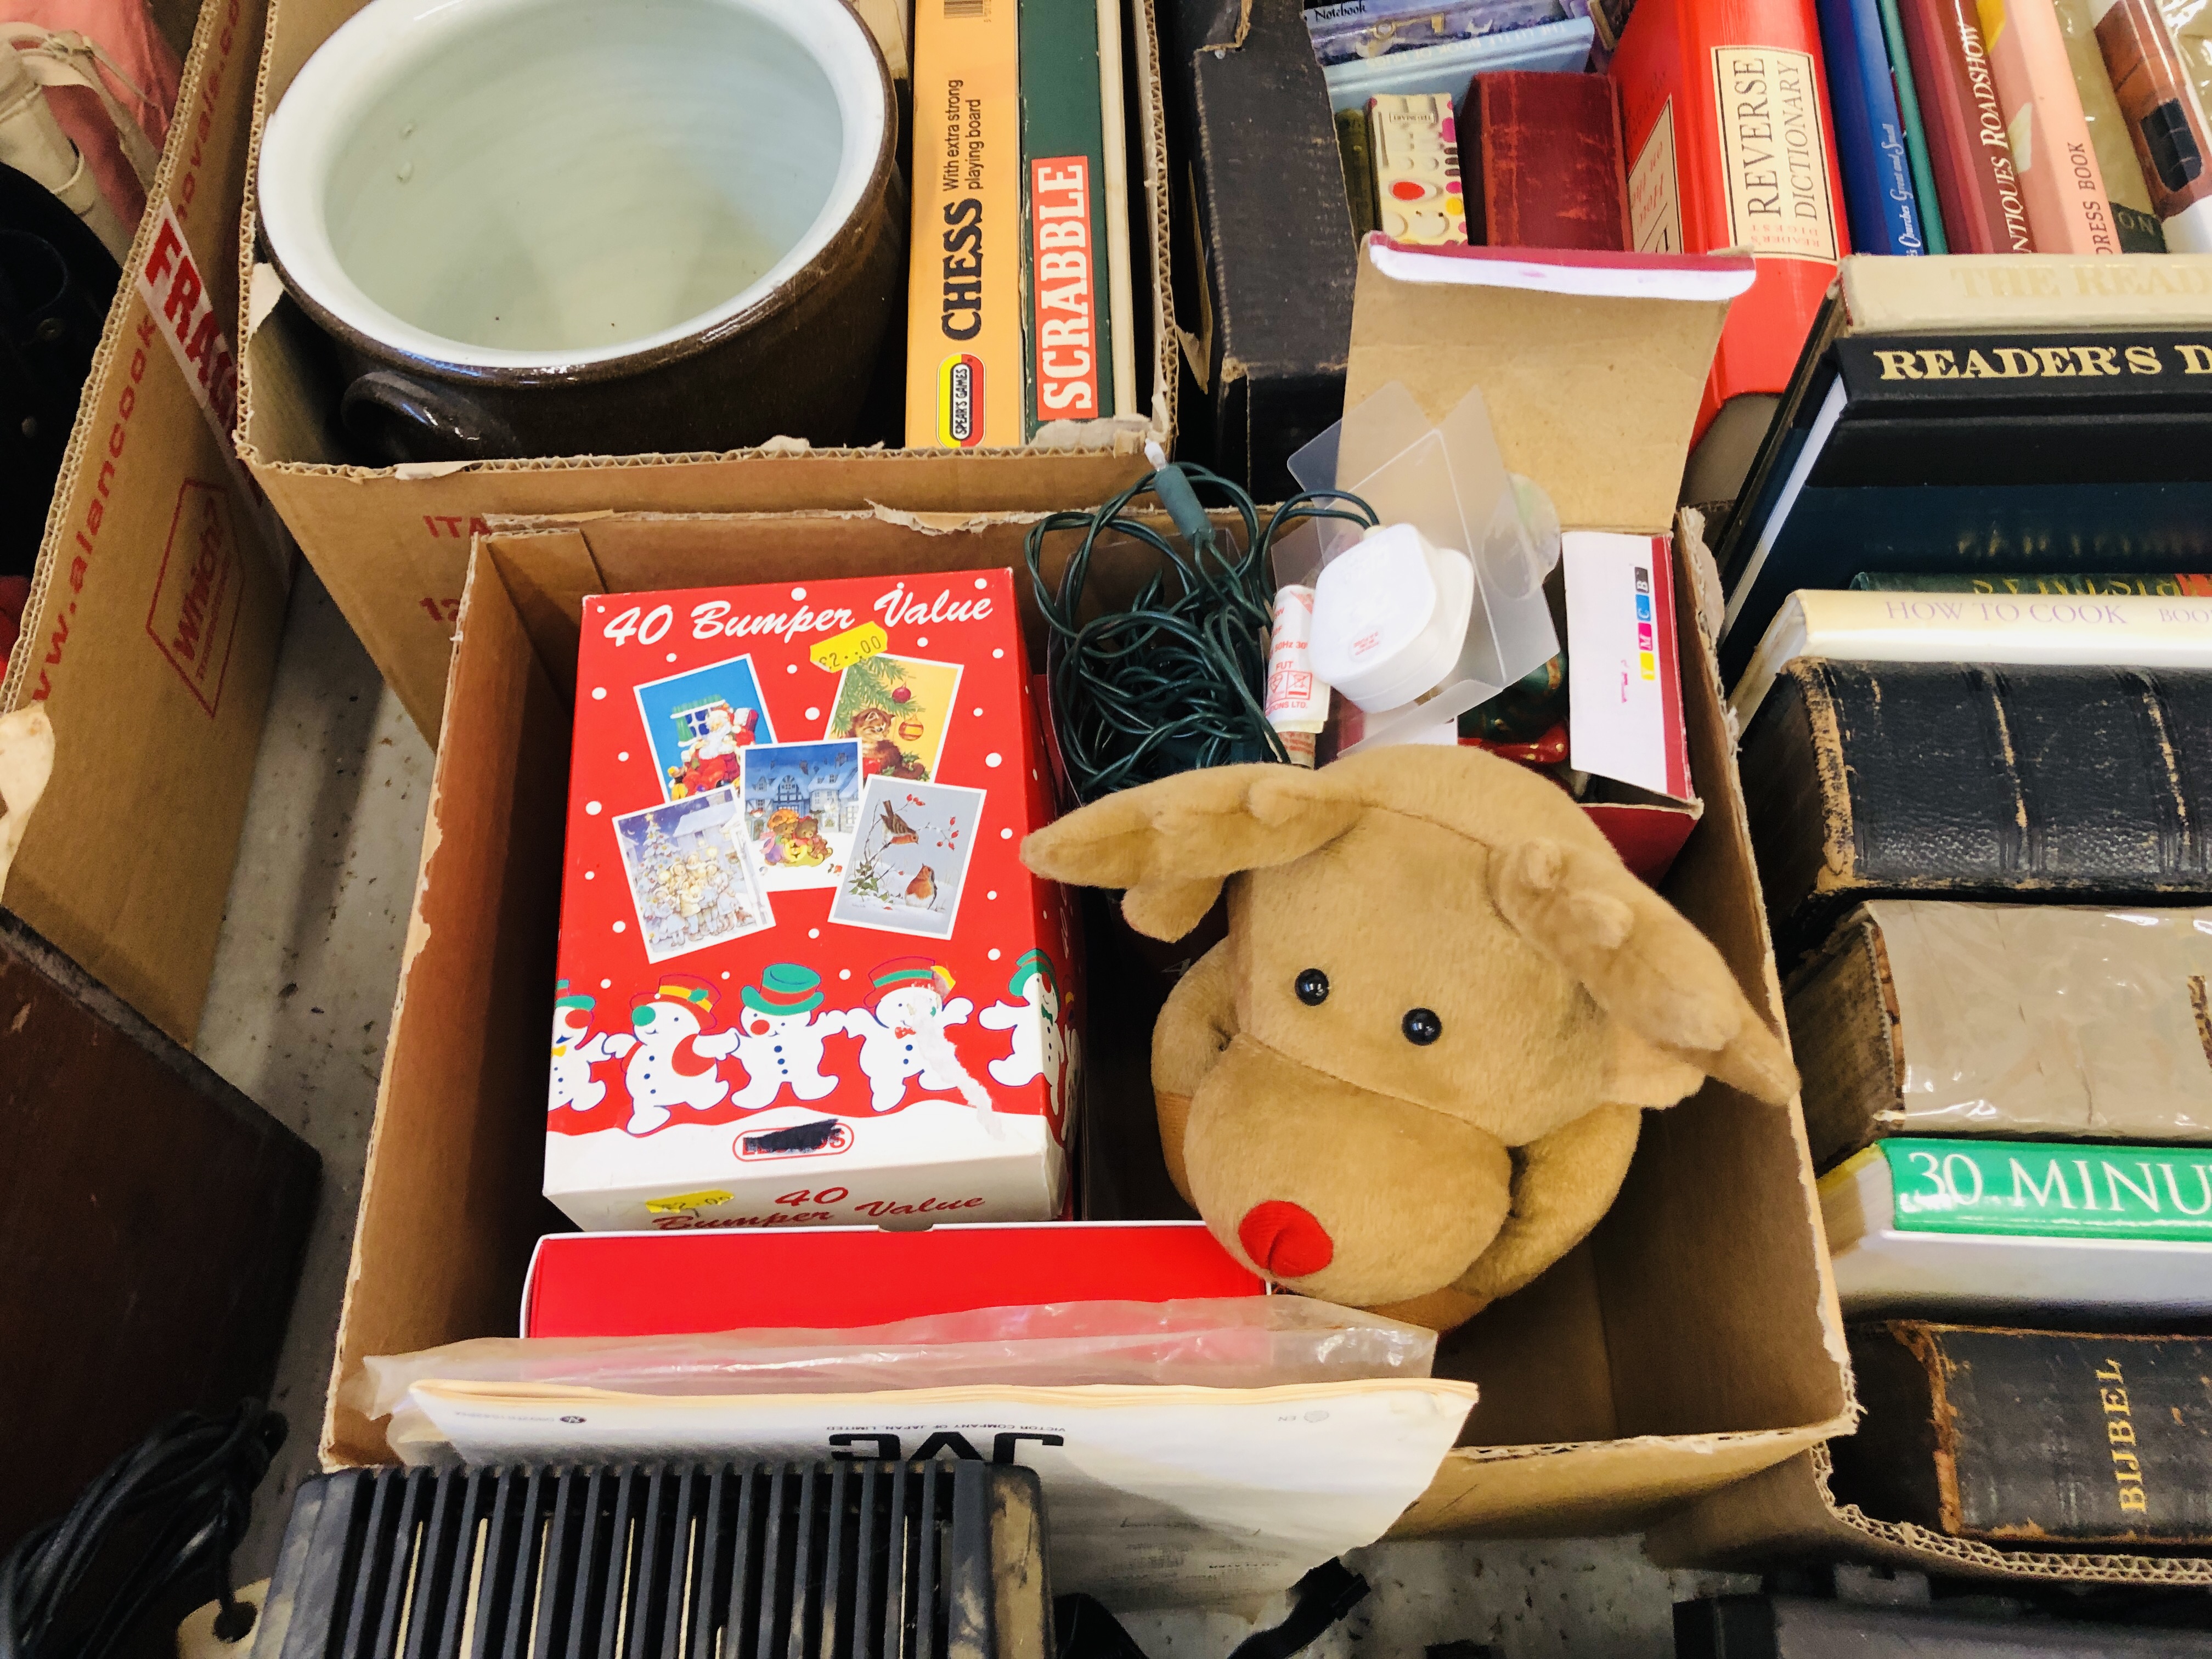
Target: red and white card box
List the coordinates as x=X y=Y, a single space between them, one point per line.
x=805 y=977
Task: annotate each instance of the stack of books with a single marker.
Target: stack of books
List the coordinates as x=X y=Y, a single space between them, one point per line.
x=1978 y=772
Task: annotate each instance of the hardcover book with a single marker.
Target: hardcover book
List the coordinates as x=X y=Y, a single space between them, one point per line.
x=2101 y=581
x=2040 y=1437
x=1929 y=1017
x=1969 y=782
x=2021 y=1229
x=1976 y=184
x=1915 y=130
x=2068 y=210
x=1724 y=106
x=2159 y=114
x=1878 y=193
x=2129 y=630
x=1541 y=155
x=2132 y=213
x=965 y=360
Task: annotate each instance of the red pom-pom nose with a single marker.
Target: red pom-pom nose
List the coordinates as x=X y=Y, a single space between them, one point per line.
x=1285 y=1239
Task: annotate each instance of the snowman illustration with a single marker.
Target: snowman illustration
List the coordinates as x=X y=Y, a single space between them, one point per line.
x=1040 y=1046
x=673 y=1063
x=576 y=1048
x=781 y=1037
x=903 y=1033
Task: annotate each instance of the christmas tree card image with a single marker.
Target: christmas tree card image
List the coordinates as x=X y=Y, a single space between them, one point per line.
x=691 y=877
x=910 y=858
x=802 y=809
x=896 y=708
x=699 y=725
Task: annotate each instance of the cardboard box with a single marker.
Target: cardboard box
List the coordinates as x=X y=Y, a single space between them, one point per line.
x=1789 y=1511
x=392 y=542
x=1693 y=1340
x=158 y=598
x=804 y=976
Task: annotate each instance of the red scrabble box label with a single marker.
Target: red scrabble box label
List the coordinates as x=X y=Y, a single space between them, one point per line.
x=805 y=977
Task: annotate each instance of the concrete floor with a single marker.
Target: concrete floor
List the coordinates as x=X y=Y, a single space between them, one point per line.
x=296 y=1017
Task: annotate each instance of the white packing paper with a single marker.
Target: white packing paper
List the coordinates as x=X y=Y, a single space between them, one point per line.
x=1153 y=1496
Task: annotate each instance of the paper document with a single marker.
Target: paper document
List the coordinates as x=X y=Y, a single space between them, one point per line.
x=1153 y=1496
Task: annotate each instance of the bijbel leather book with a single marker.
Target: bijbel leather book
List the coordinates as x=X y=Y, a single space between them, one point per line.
x=2035 y=1437
x=1541 y=154
x=1959 y=780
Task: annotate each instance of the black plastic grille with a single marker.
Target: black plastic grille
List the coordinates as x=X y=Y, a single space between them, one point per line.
x=857 y=1560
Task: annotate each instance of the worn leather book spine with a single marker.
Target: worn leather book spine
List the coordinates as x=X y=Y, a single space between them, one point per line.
x=1356 y=152
x=2030 y=1436
x=1975 y=781
x=1975 y=183
x=1541 y=155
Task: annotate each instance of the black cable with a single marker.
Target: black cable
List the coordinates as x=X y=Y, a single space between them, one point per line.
x=178 y=1502
x=1177 y=680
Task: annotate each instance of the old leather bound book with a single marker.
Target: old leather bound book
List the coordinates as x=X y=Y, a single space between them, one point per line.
x=1924 y=1017
x=1541 y=155
x=2030 y=1438
x=1976 y=782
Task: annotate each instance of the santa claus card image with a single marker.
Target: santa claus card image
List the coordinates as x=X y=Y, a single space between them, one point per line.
x=804 y=979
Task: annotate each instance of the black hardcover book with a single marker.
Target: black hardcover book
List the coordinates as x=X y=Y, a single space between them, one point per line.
x=1950 y=451
x=2033 y=1437
x=1976 y=782
x=1272 y=256
x=1804 y=1627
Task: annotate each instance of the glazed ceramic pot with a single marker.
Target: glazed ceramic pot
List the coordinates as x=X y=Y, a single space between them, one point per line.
x=564 y=227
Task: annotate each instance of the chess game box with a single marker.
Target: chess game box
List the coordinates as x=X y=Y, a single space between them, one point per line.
x=803 y=977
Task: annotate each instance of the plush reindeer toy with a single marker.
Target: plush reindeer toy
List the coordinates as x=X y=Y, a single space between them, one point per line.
x=1411 y=1077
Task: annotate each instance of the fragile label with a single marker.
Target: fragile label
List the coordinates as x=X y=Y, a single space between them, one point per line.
x=841 y=651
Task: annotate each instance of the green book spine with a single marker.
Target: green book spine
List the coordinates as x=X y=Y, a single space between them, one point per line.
x=2158 y=585
x=1915 y=135
x=1355 y=148
x=1067 y=327
x=2047 y=1189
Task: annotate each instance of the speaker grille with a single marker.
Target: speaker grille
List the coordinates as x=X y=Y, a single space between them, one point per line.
x=848 y=1560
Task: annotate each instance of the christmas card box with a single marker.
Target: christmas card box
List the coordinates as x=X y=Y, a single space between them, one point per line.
x=804 y=979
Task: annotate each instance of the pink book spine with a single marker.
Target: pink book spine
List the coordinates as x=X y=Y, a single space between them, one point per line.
x=2067 y=211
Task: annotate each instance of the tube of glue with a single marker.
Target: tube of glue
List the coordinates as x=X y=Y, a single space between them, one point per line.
x=1298 y=699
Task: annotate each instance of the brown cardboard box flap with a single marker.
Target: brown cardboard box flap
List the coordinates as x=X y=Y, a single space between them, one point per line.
x=1591 y=364
x=158 y=599
x=1788 y=1510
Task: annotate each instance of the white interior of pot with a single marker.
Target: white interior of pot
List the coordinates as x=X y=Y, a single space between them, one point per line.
x=556 y=181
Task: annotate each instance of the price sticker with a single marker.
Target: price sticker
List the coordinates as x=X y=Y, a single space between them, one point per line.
x=841 y=651
x=684 y=1201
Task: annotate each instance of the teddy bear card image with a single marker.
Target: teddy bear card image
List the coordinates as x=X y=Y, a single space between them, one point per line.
x=698 y=726
x=795 y=988
x=897 y=709
x=802 y=809
x=690 y=873
x=910 y=859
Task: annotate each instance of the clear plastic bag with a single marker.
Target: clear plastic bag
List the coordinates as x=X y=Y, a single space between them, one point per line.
x=1231 y=1342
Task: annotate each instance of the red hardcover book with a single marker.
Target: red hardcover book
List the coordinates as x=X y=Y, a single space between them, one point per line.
x=1724 y=106
x=1541 y=156
x=1967 y=149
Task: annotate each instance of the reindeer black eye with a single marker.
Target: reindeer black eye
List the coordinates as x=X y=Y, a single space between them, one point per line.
x=1422 y=1026
x=1312 y=988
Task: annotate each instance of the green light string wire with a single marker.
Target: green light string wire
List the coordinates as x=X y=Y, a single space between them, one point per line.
x=1177 y=680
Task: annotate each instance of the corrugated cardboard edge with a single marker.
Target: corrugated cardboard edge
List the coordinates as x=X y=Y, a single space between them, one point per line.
x=1789 y=1511
x=27 y=761
x=258 y=288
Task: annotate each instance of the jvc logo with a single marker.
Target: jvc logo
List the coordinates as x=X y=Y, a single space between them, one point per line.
x=885 y=1447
